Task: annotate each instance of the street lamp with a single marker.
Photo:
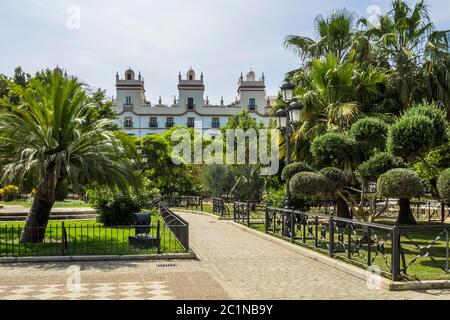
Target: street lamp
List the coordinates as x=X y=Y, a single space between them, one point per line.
x=286 y=118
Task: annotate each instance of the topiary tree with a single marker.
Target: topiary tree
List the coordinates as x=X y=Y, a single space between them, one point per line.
x=371 y=132
x=437 y=117
x=291 y=169
x=332 y=148
x=443 y=185
x=337 y=181
x=310 y=184
x=403 y=184
x=378 y=164
x=411 y=137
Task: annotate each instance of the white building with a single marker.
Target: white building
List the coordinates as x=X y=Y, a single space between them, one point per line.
x=140 y=117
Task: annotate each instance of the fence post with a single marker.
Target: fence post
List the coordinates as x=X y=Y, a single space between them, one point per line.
x=63 y=238
x=331 y=232
x=234 y=211
x=442 y=212
x=248 y=214
x=292 y=226
x=158 y=235
x=395 y=253
x=316 y=233
x=201 y=204
x=266 y=225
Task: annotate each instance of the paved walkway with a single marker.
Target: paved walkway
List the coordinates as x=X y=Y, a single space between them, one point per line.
x=233 y=264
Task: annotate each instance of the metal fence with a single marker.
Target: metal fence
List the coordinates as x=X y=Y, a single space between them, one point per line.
x=249 y=213
x=166 y=233
x=396 y=251
x=223 y=207
x=184 y=202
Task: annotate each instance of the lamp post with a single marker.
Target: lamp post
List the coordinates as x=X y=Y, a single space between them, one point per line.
x=286 y=118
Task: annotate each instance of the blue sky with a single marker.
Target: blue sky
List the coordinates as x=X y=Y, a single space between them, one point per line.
x=160 y=38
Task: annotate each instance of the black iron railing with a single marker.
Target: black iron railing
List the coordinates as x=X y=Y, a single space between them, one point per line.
x=165 y=233
x=184 y=202
x=249 y=213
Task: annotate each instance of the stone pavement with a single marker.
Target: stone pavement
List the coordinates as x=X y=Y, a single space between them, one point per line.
x=232 y=264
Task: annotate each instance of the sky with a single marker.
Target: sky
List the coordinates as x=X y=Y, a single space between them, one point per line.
x=221 y=38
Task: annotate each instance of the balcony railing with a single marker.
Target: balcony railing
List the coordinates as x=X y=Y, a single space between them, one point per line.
x=153 y=125
x=128 y=125
x=128 y=106
x=190 y=125
x=215 y=125
x=170 y=124
x=190 y=106
x=252 y=107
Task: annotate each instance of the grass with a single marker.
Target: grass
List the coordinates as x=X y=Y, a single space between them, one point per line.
x=58 y=204
x=86 y=237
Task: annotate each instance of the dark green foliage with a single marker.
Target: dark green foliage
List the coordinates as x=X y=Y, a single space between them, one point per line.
x=400 y=183
x=378 y=164
x=411 y=137
x=249 y=184
x=443 y=185
x=436 y=115
x=372 y=132
x=291 y=169
x=332 y=147
x=336 y=176
x=310 y=184
x=114 y=208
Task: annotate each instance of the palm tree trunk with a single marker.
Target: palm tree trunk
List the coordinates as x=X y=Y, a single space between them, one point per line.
x=34 y=230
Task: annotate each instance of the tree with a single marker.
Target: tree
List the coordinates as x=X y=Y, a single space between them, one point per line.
x=46 y=139
x=217 y=180
x=292 y=169
x=334 y=36
x=310 y=184
x=249 y=184
x=371 y=133
x=407 y=40
x=410 y=137
x=443 y=185
x=403 y=184
x=378 y=164
x=334 y=148
x=337 y=180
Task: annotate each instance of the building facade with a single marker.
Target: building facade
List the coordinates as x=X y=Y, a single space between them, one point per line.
x=140 y=117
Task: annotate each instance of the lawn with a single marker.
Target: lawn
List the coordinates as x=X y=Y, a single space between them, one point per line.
x=83 y=238
x=58 y=204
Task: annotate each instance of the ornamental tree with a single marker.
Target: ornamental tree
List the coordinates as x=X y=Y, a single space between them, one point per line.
x=378 y=164
x=443 y=185
x=403 y=184
x=310 y=184
x=370 y=132
x=292 y=169
x=337 y=181
x=332 y=148
x=411 y=136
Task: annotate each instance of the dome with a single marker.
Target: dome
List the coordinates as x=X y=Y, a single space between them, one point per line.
x=129 y=74
x=190 y=75
x=251 y=75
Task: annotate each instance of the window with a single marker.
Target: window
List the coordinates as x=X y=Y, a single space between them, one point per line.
x=215 y=123
x=128 y=104
x=190 y=103
x=128 y=122
x=169 y=122
x=191 y=122
x=191 y=77
x=252 y=104
x=153 y=122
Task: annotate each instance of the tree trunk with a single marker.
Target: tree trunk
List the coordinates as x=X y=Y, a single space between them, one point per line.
x=342 y=209
x=34 y=230
x=405 y=215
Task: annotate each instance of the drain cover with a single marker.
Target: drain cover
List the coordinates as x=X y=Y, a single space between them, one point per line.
x=166 y=265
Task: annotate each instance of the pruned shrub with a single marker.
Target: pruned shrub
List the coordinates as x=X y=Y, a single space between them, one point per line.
x=443 y=185
x=292 y=169
x=310 y=184
x=9 y=193
x=411 y=136
x=332 y=147
x=378 y=164
x=436 y=115
x=372 y=132
x=336 y=176
x=403 y=184
x=114 y=208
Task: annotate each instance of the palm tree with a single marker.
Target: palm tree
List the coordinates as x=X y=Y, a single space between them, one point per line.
x=334 y=36
x=405 y=39
x=217 y=180
x=47 y=139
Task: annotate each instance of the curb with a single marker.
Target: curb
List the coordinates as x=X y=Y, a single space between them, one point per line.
x=204 y=214
x=147 y=257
